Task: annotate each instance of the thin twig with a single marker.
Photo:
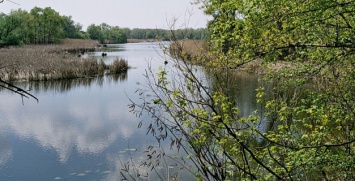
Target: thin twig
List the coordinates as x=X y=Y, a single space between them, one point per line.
x=17 y=90
x=12 y=2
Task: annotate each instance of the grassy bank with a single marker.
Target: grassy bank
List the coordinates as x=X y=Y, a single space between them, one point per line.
x=53 y=62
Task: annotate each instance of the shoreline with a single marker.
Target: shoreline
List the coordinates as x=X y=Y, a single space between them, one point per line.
x=141 y=40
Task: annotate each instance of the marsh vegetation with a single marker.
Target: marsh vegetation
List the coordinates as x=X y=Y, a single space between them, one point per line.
x=53 y=62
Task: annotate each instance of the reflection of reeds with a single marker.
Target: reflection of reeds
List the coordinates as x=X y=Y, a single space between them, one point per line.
x=49 y=62
x=69 y=84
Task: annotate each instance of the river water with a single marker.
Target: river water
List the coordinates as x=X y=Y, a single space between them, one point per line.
x=82 y=129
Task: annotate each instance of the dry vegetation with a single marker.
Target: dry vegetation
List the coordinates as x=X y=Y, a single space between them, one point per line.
x=52 y=62
x=196 y=51
x=192 y=50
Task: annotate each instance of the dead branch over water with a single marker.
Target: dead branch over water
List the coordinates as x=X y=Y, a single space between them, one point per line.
x=53 y=62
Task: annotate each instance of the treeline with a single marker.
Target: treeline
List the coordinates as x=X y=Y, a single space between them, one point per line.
x=189 y=33
x=105 y=33
x=46 y=26
x=39 y=26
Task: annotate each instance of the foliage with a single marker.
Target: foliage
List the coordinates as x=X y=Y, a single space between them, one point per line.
x=309 y=101
x=180 y=34
x=104 y=33
x=95 y=33
x=46 y=22
x=45 y=26
x=9 y=29
x=72 y=29
x=39 y=26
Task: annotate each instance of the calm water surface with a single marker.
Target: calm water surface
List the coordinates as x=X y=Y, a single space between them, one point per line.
x=80 y=129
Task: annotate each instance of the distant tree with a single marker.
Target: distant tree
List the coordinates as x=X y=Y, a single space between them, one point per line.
x=25 y=31
x=95 y=33
x=107 y=34
x=39 y=26
x=149 y=34
x=9 y=29
x=54 y=24
x=72 y=29
x=47 y=25
x=127 y=31
x=162 y=34
x=137 y=34
x=117 y=35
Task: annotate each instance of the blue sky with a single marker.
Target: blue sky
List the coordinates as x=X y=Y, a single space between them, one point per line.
x=122 y=13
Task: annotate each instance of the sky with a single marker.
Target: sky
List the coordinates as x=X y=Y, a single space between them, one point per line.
x=123 y=13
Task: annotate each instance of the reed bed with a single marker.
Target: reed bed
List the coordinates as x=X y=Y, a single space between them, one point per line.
x=50 y=62
x=192 y=50
x=76 y=45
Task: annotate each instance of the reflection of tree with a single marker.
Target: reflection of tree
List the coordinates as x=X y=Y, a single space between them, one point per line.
x=241 y=87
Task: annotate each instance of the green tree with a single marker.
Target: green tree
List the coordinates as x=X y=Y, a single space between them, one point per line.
x=95 y=33
x=163 y=34
x=72 y=29
x=37 y=26
x=53 y=25
x=47 y=24
x=26 y=32
x=107 y=34
x=307 y=48
x=117 y=35
x=9 y=29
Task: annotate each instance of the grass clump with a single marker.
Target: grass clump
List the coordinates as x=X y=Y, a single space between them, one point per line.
x=118 y=66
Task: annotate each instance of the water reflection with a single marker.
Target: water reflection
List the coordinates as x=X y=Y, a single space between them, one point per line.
x=5 y=150
x=69 y=84
x=67 y=122
x=81 y=128
x=76 y=125
x=241 y=87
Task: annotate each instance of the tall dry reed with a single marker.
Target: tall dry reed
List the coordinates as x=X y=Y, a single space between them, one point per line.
x=190 y=50
x=118 y=66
